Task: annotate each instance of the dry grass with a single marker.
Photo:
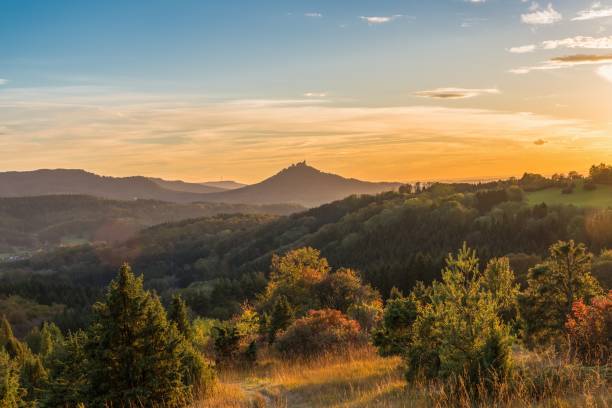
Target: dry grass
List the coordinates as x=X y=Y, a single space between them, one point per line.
x=361 y=378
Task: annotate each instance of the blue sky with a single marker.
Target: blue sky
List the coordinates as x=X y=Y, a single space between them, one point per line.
x=64 y=62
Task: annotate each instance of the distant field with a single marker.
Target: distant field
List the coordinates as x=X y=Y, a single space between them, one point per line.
x=600 y=198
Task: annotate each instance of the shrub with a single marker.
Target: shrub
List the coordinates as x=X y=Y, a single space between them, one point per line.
x=569 y=188
x=460 y=334
x=318 y=332
x=590 y=330
x=301 y=281
x=398 y=317
x=589 y=185
x=368 y=315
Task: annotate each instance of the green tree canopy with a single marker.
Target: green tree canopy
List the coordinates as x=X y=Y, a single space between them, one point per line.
x=135 y=355
x=553 y=286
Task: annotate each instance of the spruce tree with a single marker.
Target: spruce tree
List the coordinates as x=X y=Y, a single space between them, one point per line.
x=281 y=317
x=135 y=355
x=179 y=315
x=68 y=369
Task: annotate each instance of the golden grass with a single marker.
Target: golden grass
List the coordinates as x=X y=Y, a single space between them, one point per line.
x=360 y=379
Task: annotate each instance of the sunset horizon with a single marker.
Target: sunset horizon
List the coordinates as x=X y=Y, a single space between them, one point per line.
x=378 y=91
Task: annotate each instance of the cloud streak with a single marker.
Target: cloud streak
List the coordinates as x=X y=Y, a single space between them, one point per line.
x=567 y=61
x=455 y=93
x=577 y=42
x=597 y=10
x=375 y=20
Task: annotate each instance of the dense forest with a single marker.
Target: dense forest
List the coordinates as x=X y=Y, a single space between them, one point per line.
x=44 y=222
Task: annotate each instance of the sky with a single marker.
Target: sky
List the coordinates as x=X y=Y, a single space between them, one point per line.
x=379 y=90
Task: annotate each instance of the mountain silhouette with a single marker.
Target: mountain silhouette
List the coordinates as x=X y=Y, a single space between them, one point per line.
x=297 y=184
x=301 y=184
x=68 y=181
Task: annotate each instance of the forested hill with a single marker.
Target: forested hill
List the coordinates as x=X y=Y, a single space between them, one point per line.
x=31 y=223
x=67 y=181
x=394 y=239
x=303 y=184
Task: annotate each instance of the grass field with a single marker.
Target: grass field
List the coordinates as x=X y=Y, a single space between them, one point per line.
x=600 y=198
x=362 y=379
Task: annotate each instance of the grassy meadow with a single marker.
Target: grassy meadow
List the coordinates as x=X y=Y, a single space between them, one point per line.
x=599 y=198
x=361 y=378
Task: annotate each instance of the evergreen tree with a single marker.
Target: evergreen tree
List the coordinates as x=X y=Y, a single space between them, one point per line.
x=10 y=390
x=553 y=287
x=68 y=368
x=499 y=280
x=9 y=342
x=178 y=314
x=280 y=319
x=227 y=343
x=135 y=355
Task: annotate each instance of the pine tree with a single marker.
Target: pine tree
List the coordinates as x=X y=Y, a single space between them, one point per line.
x=179 y=315
x=280 y=319
x=135 y=355
x=553 y=287
x=9 y=342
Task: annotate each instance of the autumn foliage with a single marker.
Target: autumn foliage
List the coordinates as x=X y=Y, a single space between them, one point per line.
x=589 y=330
x=320 y=331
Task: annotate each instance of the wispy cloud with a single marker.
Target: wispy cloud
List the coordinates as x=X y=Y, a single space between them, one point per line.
x=3 y=81
x=597 y=10
x=373 y=20
x=541 y=16
x=315 y=94
x=313 y=15
x=523 y=49
x=455 y=93
x=540 y=142
x=567 y=61
x=593 y=43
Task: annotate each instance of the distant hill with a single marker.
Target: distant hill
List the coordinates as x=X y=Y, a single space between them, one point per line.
x=30 y=223
x=302 y=184
x=225 y=185
x=182 y=186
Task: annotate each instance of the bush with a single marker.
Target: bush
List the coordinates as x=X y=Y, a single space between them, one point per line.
x=589 y=185
x=590 y=330
x=569 y=188
x=454 y=330
x=318 y=332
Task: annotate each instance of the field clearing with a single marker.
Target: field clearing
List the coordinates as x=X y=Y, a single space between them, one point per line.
x=600 y=198
x=360 y=379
